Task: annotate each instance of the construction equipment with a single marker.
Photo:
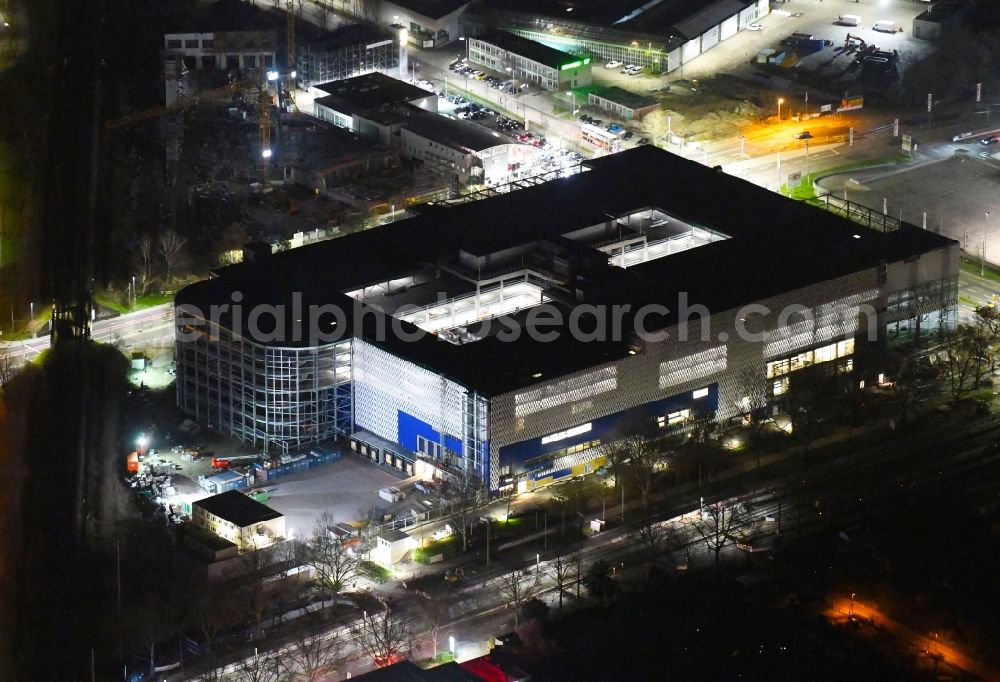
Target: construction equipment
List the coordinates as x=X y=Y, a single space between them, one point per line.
x=264 y=105
x=850 y=39
x=290 y=73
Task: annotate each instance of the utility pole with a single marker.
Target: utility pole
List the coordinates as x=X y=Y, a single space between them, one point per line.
x=986 y=231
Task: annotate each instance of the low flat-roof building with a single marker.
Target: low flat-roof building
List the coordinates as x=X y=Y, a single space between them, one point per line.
x=528 y=61
x=391 y=546
x=516 y=339
x=622 y=103
x=340 y=102
x=473 y=153
x=246 y=523
x=938 y=19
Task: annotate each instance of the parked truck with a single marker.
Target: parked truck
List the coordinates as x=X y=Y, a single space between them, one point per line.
x=849 y=20
x=884 y=26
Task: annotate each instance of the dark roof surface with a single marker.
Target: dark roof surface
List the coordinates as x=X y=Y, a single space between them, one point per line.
x=432 y=9
x=776 y=245
x=237 y=508
x=700 y=21
x=530 y=49
x=624 y=97
x=457 y=134
x=348 y=36
x=367 y=92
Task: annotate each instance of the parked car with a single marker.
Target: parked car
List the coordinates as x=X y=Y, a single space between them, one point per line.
x=613 y=64
x=755 y=27
x=642 y=140
x=628 y=135
x=614 y=128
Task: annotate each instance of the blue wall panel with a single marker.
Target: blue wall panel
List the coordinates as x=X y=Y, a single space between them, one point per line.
x=410 y=427
x=611 y=427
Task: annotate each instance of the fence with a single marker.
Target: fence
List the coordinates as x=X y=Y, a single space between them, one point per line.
x=870 y=218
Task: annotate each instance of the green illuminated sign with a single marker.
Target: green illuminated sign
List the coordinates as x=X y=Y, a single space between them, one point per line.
x=573 y=65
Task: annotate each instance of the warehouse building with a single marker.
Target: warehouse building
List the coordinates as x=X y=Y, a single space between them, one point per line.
x=528 y=61
x=517 y=338
x=662 y=36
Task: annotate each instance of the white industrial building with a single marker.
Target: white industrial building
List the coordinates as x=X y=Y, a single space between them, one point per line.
x=526 y=61
x=662 y=35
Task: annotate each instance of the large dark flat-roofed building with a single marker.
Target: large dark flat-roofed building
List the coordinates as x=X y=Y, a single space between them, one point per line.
x=517 y=337
x=339 y=102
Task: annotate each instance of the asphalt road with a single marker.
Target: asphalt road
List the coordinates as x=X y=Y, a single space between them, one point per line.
x=145 y=327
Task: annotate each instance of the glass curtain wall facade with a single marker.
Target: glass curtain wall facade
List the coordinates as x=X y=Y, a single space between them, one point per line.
x=278 y=399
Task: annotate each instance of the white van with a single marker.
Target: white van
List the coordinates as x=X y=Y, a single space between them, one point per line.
x=849 y=20
x=884 y=26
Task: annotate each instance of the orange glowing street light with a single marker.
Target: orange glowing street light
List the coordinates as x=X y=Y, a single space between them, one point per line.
x=781 y=100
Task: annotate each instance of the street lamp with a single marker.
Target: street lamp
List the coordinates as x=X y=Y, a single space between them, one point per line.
x=986 y=231
x=451 y=645
x=141 y=442
x=781 y=100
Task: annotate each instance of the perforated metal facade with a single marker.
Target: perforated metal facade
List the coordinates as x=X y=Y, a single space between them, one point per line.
x=401 y=401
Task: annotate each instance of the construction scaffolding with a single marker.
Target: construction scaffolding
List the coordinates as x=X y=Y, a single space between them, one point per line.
x=347 y=54
x=278 y=399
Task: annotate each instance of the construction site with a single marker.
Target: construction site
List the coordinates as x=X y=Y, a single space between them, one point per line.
x=241 y=161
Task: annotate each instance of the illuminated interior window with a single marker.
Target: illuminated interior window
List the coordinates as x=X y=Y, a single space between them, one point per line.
x=781 y=386
x=828 y=353
x=700 y=393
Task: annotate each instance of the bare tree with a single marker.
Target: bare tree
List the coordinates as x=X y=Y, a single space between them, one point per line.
x=262 y=666
x=335 y=564
x=565 y=570
x=217 y=608
x=516 y=588
x=751 y=404
x=310 y=658
x=173 y=250
x=384 y=637
x=142 y=262
x=966 y=356
x=436 y=610
x=658 y=126
x=7 y=369
x=722 y=523
x=469 y=487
